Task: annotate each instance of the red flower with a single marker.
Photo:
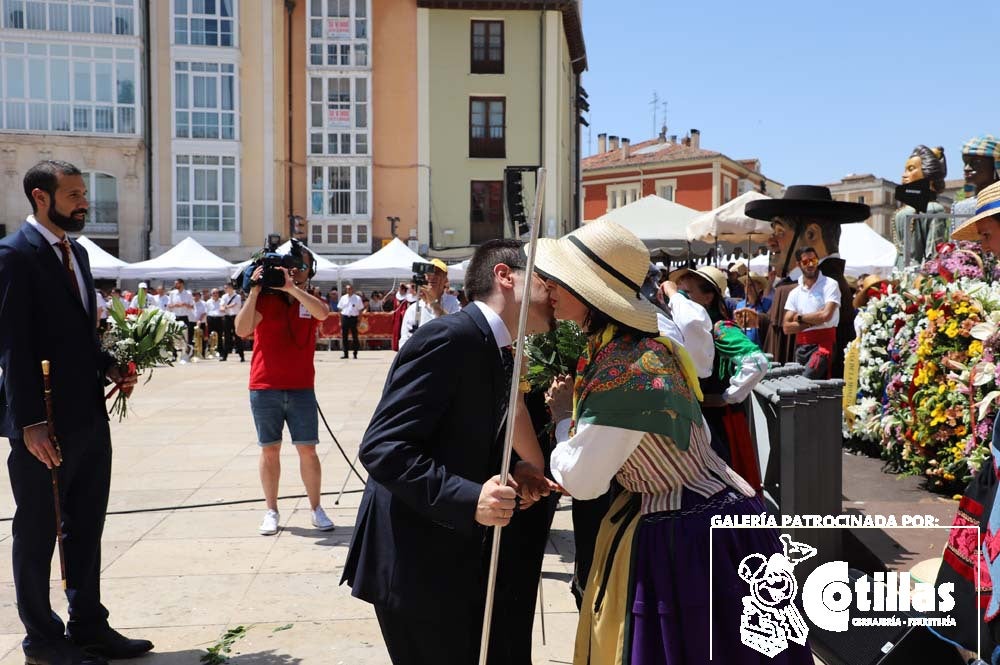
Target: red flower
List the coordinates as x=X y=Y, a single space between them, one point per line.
x=658 y=383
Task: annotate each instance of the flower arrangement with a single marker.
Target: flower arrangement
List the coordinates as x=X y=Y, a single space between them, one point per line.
x=927 y=390
x=139 y=339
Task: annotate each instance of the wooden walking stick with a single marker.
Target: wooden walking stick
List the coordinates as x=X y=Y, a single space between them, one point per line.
x=55 y=470
x=515 y=394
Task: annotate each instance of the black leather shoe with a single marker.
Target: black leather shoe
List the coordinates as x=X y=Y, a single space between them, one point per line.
x=62 y=653
x=111 y=644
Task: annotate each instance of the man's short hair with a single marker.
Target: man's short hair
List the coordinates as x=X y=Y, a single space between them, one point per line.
x=45 y=176
x=479 y=275
x=802 y=251
x=181 y=281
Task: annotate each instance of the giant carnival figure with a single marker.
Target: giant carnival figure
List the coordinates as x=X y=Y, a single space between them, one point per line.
x=923 y=179
x=981 y=167
x=807 y=216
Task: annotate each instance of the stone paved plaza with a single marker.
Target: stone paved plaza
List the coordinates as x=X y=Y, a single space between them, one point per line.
x=182 y=575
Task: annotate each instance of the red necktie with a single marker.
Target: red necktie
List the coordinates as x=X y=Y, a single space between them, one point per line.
x=63 y=246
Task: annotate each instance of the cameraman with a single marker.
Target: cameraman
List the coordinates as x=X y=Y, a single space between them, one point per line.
x=432 y=303
x=283 y=322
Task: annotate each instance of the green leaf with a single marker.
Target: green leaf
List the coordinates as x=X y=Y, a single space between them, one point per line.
x=280 y=628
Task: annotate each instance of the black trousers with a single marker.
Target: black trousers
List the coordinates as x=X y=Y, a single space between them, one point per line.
x=84 y=482
x=349 y=324
x=231 y=342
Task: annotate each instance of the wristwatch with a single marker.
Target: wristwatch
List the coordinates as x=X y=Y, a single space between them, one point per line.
x=799 y=319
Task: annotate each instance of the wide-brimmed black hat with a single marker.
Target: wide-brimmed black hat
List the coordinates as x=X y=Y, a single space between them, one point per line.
x=811 y=201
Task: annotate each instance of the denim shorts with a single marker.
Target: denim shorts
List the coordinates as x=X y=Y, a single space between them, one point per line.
x=273 y=408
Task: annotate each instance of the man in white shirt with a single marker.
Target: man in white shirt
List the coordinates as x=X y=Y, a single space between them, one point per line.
x=230 y=305
x=200 y=313
x=812 y=313
x=152 y=302
x=350 y=307
x=216 y=320
x=102 y=310
x=180 y=302
x=432 y=303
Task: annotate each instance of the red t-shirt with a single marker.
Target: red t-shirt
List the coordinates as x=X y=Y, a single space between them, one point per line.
x=284 y=346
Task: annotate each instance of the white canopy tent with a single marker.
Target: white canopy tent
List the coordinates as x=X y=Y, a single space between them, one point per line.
x=730 y=223
x=326 y=270
x=864 y=250
x=185 y=260
x=655 y=220
x=103 y=265
x=394 y=261
x=456 y=271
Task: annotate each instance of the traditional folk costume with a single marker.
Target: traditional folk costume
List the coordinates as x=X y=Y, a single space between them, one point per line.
x=636 y=420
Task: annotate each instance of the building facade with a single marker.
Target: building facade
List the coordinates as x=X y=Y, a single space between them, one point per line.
x=226 y=120
x=72 y=88
x=680 y=171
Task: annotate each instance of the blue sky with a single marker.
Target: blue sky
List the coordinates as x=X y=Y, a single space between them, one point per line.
x=815 y=89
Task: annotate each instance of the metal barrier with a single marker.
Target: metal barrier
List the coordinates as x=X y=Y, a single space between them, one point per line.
x=801 y=451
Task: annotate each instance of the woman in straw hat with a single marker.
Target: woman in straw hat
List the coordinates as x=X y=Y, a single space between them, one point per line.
x=964 y=563
x=739 y=366
x=632 y=416
x=751 y=312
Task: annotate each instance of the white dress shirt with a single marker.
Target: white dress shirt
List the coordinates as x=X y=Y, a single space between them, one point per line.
x=54 y=241
x=102 y=305
x=213 y=308
x=231 y=303
x=499 y=328
x=199 y=311
x=350 y=305
x=181 y=303
x=420 y=313
x=691 y=327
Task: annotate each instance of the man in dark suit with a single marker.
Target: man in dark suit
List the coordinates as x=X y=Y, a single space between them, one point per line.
x=420 y=550
x=40 y=264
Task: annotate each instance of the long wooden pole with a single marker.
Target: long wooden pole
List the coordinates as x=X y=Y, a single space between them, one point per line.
x=51 y=426
x=515 y=394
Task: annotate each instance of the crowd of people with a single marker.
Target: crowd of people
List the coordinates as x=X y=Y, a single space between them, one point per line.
x=649 y=435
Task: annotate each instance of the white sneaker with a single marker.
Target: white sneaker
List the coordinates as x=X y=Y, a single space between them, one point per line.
x=269 y=525
x=320 y=520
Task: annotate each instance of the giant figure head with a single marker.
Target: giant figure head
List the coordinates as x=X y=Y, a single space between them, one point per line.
x=981 y=158
x=806 y=216
x=926 y=163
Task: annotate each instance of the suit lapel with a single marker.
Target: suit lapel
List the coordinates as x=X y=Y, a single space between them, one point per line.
x=53 y=265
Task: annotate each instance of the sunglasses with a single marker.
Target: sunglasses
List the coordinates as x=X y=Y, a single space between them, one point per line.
x=809 y=263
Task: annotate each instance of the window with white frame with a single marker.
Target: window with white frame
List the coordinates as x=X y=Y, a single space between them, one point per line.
x=621 y=195
x=727 y=190
x=105 y=17
x=340 y=194
x=667 y=189
x=64 y=88
x=102 y=195
x=204 y=22
x=206 y=193
x=338 y=33
x=204 y=100
x=338 y=115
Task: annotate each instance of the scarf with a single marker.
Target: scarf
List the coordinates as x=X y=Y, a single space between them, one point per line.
x=645 y=385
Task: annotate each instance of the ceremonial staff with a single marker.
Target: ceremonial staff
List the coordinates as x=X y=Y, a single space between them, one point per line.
x=515 y=394
x=55 y=470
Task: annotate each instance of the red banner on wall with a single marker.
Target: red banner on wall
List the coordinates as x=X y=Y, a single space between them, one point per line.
x=377 y=325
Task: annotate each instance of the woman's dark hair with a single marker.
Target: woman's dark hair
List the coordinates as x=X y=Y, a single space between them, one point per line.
x=718 y=302
x=597 y=320
x=933 y=165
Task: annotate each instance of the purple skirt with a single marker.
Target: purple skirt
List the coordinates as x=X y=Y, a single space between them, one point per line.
x=670 y=609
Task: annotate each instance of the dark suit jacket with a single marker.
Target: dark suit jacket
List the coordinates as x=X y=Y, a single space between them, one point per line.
x=42 y=319
x=431 y=444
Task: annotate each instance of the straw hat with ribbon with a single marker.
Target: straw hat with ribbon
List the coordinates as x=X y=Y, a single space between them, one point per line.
x=710 y=274
x=603 y=265
x=759 y=282
x=987 y=205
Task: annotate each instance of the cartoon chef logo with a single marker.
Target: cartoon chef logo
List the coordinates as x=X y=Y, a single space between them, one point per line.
x=770 y=618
